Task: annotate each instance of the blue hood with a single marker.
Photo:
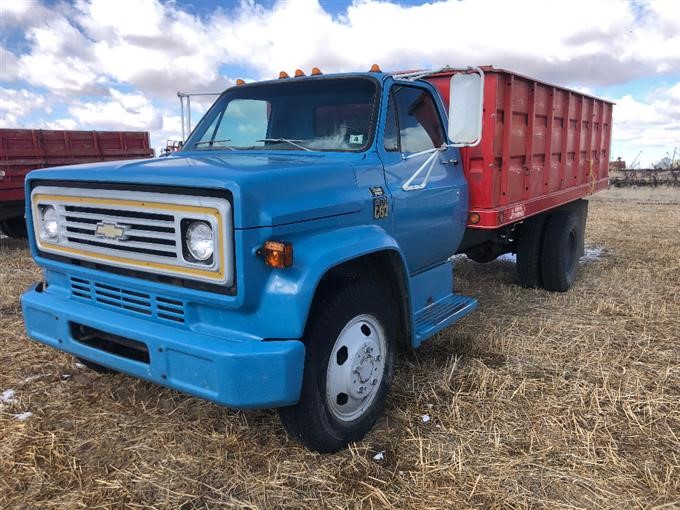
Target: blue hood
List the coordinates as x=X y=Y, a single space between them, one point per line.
x=268 y=189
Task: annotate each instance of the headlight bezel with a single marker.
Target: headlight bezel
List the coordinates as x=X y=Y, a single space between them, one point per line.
x=190 y=225
x=45 y=236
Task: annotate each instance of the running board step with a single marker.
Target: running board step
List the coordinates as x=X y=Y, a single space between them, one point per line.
x=435 y=317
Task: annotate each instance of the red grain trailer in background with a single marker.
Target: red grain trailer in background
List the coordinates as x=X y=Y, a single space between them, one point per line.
x=543 y=147
x=23 y=150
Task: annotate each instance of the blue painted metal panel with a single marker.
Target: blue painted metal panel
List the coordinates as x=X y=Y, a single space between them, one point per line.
x=429 y=223
x=239 y=374
x=431 y=285
x=434 y=302
x=439 y=315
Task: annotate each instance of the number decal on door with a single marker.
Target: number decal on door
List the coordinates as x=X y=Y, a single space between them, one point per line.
x=380 y=208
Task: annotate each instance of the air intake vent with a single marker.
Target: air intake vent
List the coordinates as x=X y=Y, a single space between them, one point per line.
x=139 y=303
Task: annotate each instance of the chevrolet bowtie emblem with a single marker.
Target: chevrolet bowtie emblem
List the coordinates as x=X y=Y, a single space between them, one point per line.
x=110 y=231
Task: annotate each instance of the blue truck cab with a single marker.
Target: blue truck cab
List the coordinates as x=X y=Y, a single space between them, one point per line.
x=300 y=237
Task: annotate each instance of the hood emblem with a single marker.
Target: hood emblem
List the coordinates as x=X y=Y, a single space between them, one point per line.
x=111 y=231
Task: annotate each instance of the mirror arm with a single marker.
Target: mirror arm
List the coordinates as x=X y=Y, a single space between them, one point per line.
x=428 y=163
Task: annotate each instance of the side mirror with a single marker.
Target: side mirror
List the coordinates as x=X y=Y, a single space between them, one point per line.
x=466 y=99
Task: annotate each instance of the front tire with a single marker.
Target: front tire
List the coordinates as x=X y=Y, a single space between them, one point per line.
x=350 y=345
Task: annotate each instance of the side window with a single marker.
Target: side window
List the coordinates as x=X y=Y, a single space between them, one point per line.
x=419 y=125
x=391 y=128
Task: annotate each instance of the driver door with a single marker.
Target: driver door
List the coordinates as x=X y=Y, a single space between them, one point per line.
x=428 y=223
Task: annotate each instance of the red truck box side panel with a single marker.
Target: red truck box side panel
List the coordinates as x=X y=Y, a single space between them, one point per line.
x=542 y=146
x=23 y=150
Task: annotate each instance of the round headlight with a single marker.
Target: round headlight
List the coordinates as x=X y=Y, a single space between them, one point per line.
x=199 y=238
x=49 y=227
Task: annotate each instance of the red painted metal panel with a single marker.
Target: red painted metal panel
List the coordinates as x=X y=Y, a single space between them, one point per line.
x=23 y=150
x=542 y=146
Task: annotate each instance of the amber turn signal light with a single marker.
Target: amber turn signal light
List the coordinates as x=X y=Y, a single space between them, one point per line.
x=278 y=254
x=474 y=218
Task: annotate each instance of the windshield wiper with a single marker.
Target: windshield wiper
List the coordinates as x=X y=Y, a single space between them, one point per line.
x=211 y=142
x=295 y=143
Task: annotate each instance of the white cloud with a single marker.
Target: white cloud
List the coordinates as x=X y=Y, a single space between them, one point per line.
x=149 y=45
x=96 y=47
x=652 y=125
x=8 y=65
x=59 y=124
x=122 y=111
x=15 y=104
x=60 y=58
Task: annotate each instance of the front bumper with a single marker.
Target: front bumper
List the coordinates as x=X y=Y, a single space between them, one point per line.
x=242 y=374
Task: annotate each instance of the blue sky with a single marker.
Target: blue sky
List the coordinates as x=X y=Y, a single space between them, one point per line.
x=102 y=64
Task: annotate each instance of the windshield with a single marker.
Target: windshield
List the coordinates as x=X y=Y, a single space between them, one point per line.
x=321 y=115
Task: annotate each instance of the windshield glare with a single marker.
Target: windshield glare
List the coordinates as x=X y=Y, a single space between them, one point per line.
x=324 y=114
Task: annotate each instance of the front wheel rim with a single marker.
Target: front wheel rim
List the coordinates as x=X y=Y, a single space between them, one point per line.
x=356 y=368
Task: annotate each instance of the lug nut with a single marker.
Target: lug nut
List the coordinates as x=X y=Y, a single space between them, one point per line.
x=374 y=382
x=378 y=357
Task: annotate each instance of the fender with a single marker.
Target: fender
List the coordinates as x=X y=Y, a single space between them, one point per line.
x=288 y=293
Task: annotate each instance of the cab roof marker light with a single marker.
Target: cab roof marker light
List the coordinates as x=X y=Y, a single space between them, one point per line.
x=283 y=75
x=299 y=73
x=316 y=71
x=375 y=68
x=240 y=82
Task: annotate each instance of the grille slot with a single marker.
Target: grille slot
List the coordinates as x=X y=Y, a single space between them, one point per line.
x=139 y=303
x=146 y=233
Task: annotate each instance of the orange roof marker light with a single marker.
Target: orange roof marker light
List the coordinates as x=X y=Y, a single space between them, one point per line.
x=375 y=68
x=283 y=75
x=240 y=82
x=316 y=71
x=299 y=72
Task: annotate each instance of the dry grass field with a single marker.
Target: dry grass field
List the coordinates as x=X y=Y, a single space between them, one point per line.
x=537 y=400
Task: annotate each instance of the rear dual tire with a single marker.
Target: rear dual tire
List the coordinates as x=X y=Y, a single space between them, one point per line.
x=548 y=251
x=560 y=253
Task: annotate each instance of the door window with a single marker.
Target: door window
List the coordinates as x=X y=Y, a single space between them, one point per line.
x=413 y=124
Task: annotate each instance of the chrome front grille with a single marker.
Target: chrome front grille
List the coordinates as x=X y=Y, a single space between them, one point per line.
x=136 y=230
x=146 y=233
x=138 y=303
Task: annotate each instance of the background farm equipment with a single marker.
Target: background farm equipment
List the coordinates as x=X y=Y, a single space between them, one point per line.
x=665 y=172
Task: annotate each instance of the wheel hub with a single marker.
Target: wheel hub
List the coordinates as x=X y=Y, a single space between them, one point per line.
x=365 y=369
x=355 y=367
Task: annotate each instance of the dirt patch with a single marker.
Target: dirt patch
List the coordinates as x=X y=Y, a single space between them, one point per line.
x=535 y=400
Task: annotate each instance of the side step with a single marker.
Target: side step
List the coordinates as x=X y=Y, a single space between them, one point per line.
x=440 y=314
